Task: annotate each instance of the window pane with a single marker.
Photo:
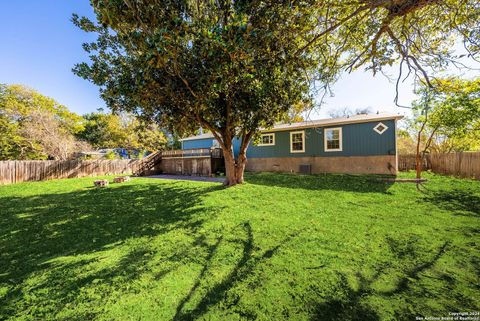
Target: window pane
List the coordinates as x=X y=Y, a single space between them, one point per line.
x=297 y=141
x=333 y=139
x=333 y=144
x=267 y=139
x=333 y=134
x=297 y=146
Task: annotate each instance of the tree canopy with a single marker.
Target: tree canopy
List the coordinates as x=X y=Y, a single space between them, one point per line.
x=449 y=115
x=104 y=130
x=34 y=126
x=418 y=35
x=230 y=67
x=234 y=67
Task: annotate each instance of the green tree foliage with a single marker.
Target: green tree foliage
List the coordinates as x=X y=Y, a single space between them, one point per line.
x=11 y=142
x=405 y=143
x=233 y=67
x=451 y=115
x=446 y=119
x=34 y=126
x=420 y=35
x=103 y=130
x=454 y=121
x=122 y=131
x=229 y=66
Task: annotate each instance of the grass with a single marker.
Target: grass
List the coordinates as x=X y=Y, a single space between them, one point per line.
x=281 y=247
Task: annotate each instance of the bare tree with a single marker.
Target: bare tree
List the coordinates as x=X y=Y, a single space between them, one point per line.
x=44 y=129
x=347 y=111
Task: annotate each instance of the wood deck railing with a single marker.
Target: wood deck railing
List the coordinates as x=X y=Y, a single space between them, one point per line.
x=194 y=152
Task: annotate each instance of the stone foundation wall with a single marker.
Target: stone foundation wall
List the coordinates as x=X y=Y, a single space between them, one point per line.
x=386 y=164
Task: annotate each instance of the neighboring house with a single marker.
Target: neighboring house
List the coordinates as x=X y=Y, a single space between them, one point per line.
x=122 y=153
x=359 y=144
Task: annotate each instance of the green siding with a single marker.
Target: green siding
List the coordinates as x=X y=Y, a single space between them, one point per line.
x=357 y=139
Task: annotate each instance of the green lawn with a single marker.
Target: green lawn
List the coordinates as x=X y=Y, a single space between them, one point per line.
x=281 y=247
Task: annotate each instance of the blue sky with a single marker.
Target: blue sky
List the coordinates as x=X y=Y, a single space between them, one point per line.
x=39 y=46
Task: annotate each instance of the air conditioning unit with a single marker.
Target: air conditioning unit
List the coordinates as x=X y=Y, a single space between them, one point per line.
x=305 y=169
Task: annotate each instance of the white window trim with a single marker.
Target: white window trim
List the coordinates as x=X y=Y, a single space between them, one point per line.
x=303 y=142
x=339 y=137
x=380 y=132
x=269 y=134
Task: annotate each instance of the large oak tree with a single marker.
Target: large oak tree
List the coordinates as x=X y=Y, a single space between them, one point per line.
x=234 y=67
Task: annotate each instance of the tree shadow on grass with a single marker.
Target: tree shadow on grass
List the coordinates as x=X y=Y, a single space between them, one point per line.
x=35 y=231
x=333 y=182
x=460 y=201
x=413 y=273
x=349 y=305
x=240 y=271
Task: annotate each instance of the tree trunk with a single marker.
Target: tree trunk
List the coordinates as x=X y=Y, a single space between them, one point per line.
x=419 y=165
x=234 y=167
x=230 y=172
x=418 y=157
x=240 y=169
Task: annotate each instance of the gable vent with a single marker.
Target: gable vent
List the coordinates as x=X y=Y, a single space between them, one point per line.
x=380 y=128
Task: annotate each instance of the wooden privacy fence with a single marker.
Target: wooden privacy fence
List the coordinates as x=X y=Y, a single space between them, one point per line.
x=408 y=162
x=201 y=161
x=458 y=164
x=23 y=171
x=465 y=164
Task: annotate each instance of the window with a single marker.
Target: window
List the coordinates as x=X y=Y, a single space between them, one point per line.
x=380 y=128
x=333 y=139
x=267 y=140
x=297 y=142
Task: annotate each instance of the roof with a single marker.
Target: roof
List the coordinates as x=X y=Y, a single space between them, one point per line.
x=363 y=118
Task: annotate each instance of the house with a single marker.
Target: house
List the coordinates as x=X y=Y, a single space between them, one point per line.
x=360 y=144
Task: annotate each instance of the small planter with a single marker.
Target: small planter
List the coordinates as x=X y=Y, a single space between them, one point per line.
x=121 y=179
x=101 y=183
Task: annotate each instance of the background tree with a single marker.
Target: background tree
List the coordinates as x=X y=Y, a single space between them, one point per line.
x=405 y=143
x=346 y=112
x=448 y=116
x=34 y=126
x=419 y=35
x=231 y=67
x=54 y=140
x=455 y=119
x=122 y=131
x=11 y=142
x=102 y=130
x=296 y=112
